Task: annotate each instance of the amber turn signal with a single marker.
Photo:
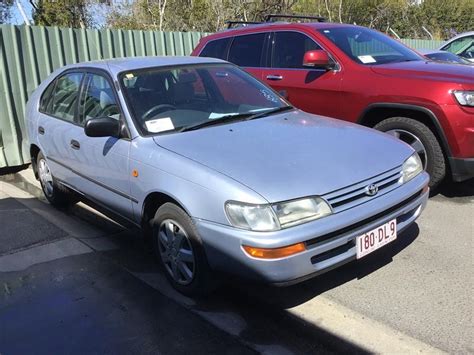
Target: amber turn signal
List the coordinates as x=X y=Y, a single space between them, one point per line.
x=275 y=253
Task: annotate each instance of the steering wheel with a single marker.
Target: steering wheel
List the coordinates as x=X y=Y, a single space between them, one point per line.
x=157 y=109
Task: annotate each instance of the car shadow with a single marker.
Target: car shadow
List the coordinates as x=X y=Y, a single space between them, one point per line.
x=452 y=189
x=292 y=296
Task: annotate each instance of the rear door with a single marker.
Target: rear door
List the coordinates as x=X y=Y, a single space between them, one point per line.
x=311 y=90
x=57 y=121
x=249 y=52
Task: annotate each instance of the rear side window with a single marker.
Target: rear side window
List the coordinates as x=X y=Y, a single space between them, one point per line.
x=45 y=97
x=216 y=49
x=64 y=98
x=289 y=49
x=246 y=51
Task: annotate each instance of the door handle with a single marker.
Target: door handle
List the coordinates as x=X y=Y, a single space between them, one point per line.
x=40 y=130
x=75 y=145
x=274 y=77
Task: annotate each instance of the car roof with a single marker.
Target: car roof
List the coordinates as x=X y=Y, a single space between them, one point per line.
x=117 y=65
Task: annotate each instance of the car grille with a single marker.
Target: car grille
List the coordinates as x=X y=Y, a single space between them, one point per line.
x=362 y=224
x=354 y=195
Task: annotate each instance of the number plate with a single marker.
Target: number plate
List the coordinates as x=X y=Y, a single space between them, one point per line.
x=376 y=238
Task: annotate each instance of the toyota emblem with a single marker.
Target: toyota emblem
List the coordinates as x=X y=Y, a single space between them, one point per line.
x=371 y=190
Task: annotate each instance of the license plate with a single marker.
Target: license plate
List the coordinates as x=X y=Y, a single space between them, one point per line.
x=376 y=238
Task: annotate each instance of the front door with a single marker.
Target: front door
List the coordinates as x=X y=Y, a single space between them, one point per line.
x=56 y=123
x=312 y=90
x=102 y=163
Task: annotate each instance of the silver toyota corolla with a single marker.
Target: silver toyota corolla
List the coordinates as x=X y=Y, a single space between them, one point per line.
x=219 y=170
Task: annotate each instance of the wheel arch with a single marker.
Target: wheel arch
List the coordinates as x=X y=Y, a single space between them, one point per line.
x=377 y=112
x=34 y=151
x=152 y=202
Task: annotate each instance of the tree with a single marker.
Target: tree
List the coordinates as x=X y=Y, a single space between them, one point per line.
x=406 y=17
x=64 y=13
x=5 y=6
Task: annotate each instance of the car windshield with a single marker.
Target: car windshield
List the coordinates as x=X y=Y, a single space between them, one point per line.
x=369 y=47
x=166 y=100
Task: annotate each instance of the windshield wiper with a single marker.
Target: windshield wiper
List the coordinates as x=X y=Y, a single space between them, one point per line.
x=270 y=112
x=217 y=121
x=232 y=117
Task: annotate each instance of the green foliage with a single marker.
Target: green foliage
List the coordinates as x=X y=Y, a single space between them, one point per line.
x=63 y=13
x=5 y=6
x=442 y=18
x=407 y=18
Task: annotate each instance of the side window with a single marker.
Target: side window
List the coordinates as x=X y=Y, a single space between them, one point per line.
x=98 y=99
x=216 y=49
x=246 y=51
x=289 y=49
x=460 y=46
x=46 y=97
x=63 y=102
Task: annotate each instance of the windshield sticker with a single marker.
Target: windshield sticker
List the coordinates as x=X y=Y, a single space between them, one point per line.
x=222 y=74
x=129 y=76
x=269 y=96
x=366 y=59
x=159 y=125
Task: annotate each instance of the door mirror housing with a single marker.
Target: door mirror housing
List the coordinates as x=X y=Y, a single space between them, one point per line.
x=102 y=127
x=317 y=59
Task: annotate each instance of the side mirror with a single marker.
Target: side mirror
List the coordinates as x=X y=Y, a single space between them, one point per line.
x=317 y=59
x=102 y=127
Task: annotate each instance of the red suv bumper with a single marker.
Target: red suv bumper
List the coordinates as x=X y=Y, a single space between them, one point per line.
x=461 y=142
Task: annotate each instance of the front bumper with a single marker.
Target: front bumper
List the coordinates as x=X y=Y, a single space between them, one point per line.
x=462 y=169
x=330 y=241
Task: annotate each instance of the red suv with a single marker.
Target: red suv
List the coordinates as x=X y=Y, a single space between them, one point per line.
x=361 y=75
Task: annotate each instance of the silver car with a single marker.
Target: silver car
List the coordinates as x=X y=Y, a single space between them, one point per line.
x=462 y=45
x=219 y=170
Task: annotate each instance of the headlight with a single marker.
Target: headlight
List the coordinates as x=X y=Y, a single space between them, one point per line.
x=264 y=218
x=411 y=168
x=254 y=217
x=300 y=211
x=465 y=98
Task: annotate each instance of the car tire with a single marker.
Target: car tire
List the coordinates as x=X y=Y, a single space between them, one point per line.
x=179 y=249
x=414 y=132
x=57 y=195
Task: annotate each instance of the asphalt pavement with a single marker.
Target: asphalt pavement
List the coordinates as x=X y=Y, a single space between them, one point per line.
x=76 y=282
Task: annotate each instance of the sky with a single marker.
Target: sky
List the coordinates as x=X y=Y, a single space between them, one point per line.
x=16 y=18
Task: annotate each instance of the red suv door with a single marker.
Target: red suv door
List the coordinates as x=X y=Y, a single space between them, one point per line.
x=312 y=90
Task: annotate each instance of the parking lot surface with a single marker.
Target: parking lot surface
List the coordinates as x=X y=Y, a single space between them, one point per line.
x=77 y=282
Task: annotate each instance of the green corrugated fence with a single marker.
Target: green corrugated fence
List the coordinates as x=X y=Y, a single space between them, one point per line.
x=29 y=54
x=422 y=43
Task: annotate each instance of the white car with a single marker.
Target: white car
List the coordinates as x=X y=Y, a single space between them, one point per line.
x=461 y=45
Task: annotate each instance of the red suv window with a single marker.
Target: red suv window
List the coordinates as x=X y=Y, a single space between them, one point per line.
x=246 y=51
x=289 y=49
x=216 y=49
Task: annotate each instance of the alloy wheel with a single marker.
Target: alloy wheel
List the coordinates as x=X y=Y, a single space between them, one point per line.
x=176 y=252
x=46 y=177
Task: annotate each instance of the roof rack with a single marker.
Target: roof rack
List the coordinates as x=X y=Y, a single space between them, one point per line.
x=232 y=24
x=269 y=18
